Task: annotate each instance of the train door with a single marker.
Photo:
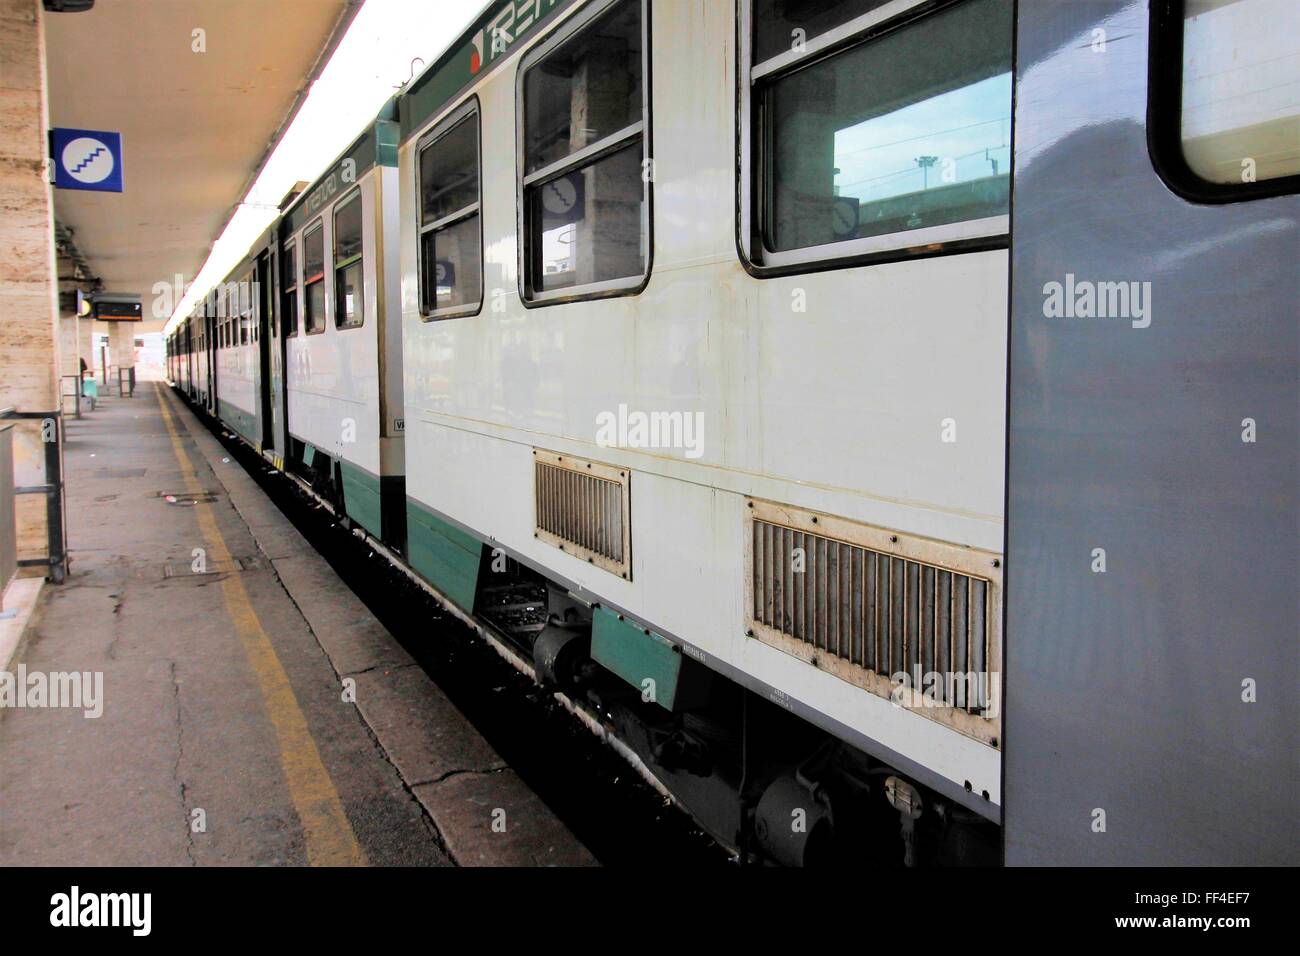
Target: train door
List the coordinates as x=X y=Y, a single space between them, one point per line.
x=213 y=354
x=189 y=358
x=276 y=353
x=265 y=404
x=1151 y=530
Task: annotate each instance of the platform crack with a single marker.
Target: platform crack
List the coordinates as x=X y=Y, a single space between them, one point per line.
x=487 y=771
x=182 y=788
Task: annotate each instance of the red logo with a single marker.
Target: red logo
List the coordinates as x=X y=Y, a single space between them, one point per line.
x=476 y=54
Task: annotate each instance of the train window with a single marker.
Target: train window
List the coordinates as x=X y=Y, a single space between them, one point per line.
x=451 y=245
x=254 y=320
x=349 y=265
x=873 y=131
x=313 y=279
x=245 y=309
x=585 y=194
x=289 y=263
x=1225 y=122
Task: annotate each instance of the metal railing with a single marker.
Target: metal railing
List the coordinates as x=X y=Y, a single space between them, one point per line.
x=51 y=424
x=76 y=392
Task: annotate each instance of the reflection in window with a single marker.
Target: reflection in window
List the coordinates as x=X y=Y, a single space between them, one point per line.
x=313 y=279
x=908 y=131
x=451 y=267
x=585 y=194
x=349 y=308
x=577 y=248
x=1241 y=77
x=586 y=89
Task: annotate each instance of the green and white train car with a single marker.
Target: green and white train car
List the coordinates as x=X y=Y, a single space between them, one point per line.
x=701 y=326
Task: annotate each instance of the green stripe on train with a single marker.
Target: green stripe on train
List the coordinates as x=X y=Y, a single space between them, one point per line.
x=638 y=656
x=361 y=499
x=443 y=555
x=238 y=419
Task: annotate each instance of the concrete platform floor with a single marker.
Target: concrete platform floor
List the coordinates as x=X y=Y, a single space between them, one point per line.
x=254 y=711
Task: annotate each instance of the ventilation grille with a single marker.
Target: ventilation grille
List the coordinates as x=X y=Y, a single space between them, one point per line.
x=869 y=605
x=582 y=509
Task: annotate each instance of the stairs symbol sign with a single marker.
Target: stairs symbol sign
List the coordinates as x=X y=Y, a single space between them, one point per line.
x=87 y=160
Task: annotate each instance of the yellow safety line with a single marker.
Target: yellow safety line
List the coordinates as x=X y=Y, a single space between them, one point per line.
x=330 y=838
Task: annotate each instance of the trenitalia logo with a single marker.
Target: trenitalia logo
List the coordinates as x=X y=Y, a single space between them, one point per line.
x=510 y=23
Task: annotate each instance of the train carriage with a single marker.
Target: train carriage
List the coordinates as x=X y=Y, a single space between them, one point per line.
x=238 y=365
x=342 y=332
x=805 y=384
x=198 y=356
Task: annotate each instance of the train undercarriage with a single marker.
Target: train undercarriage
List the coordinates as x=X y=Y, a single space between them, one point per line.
x=761 y=780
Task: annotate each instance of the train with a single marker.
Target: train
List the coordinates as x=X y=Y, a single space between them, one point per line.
x=877 y=417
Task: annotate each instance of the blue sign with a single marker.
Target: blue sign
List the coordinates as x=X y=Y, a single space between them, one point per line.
x=87 y=159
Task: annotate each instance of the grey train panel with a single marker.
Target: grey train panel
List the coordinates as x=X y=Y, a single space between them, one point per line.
x=1124 y=688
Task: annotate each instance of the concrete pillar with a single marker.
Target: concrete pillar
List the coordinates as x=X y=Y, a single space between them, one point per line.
x=29 y=332
x=67 y=359
x=86 y=344
x=75 y=331
x=121 y=350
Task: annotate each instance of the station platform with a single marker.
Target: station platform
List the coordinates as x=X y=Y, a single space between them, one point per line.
x=254 y=712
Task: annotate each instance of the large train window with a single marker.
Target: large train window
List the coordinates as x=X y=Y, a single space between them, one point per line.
x=349 y=264
x=313 y=278
x=874 y=130
x=451 y=244
x=584 y=200
x=289 y=280
x=1224 y=119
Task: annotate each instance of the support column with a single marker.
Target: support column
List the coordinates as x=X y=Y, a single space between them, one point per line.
x=121 y=350
x=69 y=326
x=29 y=331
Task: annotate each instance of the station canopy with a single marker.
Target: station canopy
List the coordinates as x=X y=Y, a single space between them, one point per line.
x=201 y=92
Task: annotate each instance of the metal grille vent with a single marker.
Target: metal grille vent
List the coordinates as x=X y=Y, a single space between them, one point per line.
x=583 y=509
x=869 y=605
